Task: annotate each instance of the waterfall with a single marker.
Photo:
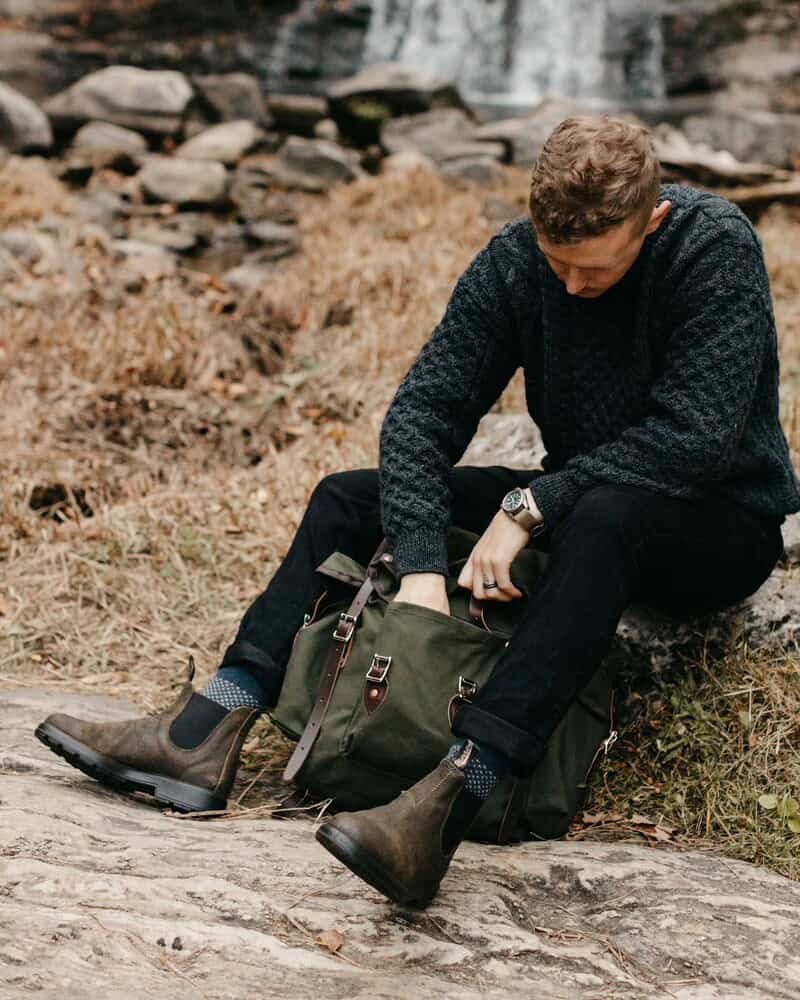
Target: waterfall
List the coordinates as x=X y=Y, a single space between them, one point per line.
x=514 y=53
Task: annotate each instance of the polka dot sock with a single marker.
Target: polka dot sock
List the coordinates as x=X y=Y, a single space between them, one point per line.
x=483 y=769
x=235 y=687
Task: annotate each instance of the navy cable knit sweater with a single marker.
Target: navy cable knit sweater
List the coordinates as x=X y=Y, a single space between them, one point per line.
x=667 y=381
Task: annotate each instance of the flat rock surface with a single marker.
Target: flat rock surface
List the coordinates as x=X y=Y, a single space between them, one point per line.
x=103 y=895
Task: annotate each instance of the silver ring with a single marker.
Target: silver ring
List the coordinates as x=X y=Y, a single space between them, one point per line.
x=489 y=585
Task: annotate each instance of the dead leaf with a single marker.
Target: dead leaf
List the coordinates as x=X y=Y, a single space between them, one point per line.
x=331 y=939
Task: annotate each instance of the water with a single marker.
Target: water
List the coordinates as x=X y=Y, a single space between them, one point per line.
x=514 y=53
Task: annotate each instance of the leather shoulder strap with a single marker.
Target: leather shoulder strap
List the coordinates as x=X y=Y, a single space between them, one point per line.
x=334 y=664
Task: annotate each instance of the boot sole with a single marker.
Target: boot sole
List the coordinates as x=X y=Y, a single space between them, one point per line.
x=369 y=868
x=177 y=794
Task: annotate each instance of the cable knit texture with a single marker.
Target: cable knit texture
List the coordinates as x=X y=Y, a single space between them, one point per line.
x=667 y=381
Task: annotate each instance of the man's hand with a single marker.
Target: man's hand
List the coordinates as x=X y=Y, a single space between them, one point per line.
x=491 y=558
x=427 y=589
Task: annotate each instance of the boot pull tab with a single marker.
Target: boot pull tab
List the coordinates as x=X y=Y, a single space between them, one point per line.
x=190 y=669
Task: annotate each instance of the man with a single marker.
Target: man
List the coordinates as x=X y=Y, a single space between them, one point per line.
x=641 y=316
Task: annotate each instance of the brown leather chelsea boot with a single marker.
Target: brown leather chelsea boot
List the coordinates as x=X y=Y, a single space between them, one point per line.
x=397 y=848
x=185 y=756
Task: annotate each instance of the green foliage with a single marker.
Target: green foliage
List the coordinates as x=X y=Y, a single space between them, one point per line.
x=698 y=745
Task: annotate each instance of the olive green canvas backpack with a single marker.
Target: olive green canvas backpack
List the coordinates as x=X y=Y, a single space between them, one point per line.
x=372 y=684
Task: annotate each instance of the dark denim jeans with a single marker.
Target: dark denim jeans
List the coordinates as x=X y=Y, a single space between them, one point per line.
x=618 y=544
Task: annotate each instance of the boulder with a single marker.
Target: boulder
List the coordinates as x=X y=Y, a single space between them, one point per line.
x=479 y=169
x=250 y=276
x=768 y=619
x=749 y=134
x=755 y=199
x=151 y=101
x=407 y=162
x=232 y=97
x=524 y=136
x=442 y=134
x=152 y=255
x=26 y=245
x=106 y=139
x=252 y=192
x=361 y=104
x=180 y=239
x=226 y=143
x=313 y=165
x=327 y=129
x=101 y=144
x=104 y=887
x=24 y=128
x=184 y=182
x=8 y=266
x=698 y=162
x=29 y=64
x=297 y=113
x=276 y=240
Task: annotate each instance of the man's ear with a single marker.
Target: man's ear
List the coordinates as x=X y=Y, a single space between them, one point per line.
x=657 y=216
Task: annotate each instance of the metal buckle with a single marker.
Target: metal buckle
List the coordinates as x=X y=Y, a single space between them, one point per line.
x=347 y=621
x=379 y=668
x=467 y=689
x=609 y=741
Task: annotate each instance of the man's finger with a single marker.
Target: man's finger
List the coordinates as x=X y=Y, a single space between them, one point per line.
x=504 y=582
x=465 y=576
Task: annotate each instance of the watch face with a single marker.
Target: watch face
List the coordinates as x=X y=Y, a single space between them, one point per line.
x=513 y=501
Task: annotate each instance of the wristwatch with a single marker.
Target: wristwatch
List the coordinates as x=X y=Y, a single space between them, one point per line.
x=515 y=504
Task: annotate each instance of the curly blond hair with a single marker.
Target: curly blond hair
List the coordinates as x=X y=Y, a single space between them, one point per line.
x=593 y=173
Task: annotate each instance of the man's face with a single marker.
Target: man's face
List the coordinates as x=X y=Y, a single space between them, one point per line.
x=592 y=266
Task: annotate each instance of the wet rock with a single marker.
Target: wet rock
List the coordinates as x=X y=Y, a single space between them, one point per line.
x=749 y=134
x=227 y=143
x=297 y=113
x=313 y=165
x=361 y=104
x=150 y=101
x=479 y=169
x=443 y=134
x=184 y=182
x=232 y=97
x=24 y=127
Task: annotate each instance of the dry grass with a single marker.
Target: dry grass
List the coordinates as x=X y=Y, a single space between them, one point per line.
x=195 y=427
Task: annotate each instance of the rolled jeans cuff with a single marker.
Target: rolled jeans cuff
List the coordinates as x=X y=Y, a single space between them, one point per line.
x=244 y=654
x=522 y=750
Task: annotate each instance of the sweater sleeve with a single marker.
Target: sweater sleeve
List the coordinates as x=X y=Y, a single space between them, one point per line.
x=718 y=327
x=457 y=376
